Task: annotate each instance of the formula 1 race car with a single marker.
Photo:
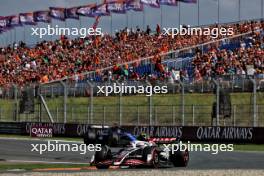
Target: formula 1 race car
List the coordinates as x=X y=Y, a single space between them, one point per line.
x=136 y=152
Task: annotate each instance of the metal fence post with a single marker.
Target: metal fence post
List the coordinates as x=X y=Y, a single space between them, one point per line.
x=52 y=93
x=45 y=91
x=217 y=104
x=150 y=109
x=217 y=101
x=39 y=104
x=88 y=113
x=16 y=103
x=65 y=103
x=46 y=108
x=173 y=115
x=257 y=114
x=193 y=114
x=91 y=101
x=120 y=104
x=65 y=97
x=150 y=104
x=234 y=115
x=202 y=91
x=156 y=115
x=57 y=114
x=103 y=115
x=138 y=121
x=72 y=114
x=74 y=91
x=182 y=102
x=243 y=85
x=254 y=102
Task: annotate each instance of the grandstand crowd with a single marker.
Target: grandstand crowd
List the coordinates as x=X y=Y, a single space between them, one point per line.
x=53 y=60
x=240 y=61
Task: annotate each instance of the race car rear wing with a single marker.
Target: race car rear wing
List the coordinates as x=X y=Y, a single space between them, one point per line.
x=163 y=140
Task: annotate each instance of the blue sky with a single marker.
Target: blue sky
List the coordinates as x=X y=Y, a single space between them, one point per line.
x=250 y=9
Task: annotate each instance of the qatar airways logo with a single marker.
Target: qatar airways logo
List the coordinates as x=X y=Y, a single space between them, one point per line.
x=37 y=131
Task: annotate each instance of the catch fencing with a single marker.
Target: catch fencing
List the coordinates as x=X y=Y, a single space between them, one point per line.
x=184 y=104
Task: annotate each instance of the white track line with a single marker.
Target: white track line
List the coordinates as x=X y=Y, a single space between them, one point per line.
x=38 y=139
x=44 y=162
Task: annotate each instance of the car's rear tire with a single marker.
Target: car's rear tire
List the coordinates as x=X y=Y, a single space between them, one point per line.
x=113 y=139
x=102 y=155
x=180 y=158
x=90 y=137
x=155 y=160
x=155 y=156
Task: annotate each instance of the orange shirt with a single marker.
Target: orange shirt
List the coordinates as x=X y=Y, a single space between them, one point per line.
x=45 y=79
x=17 y=58
x=97 y=60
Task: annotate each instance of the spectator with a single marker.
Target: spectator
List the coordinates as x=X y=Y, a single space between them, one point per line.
x=52 y=60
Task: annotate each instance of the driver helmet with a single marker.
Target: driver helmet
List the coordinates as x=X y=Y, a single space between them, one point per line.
x=143 y=136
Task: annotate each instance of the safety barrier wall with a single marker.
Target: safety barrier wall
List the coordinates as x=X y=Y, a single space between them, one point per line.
x=217 y=134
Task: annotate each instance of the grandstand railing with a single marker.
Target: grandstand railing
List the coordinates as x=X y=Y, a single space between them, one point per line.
x=234 y=83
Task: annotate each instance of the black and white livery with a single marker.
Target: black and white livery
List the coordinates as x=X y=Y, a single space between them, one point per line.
x=135 y=151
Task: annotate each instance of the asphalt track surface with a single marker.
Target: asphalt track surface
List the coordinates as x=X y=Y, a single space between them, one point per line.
x=19 y=150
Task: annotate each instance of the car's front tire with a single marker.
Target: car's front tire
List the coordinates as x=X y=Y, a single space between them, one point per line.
x=102 y=155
